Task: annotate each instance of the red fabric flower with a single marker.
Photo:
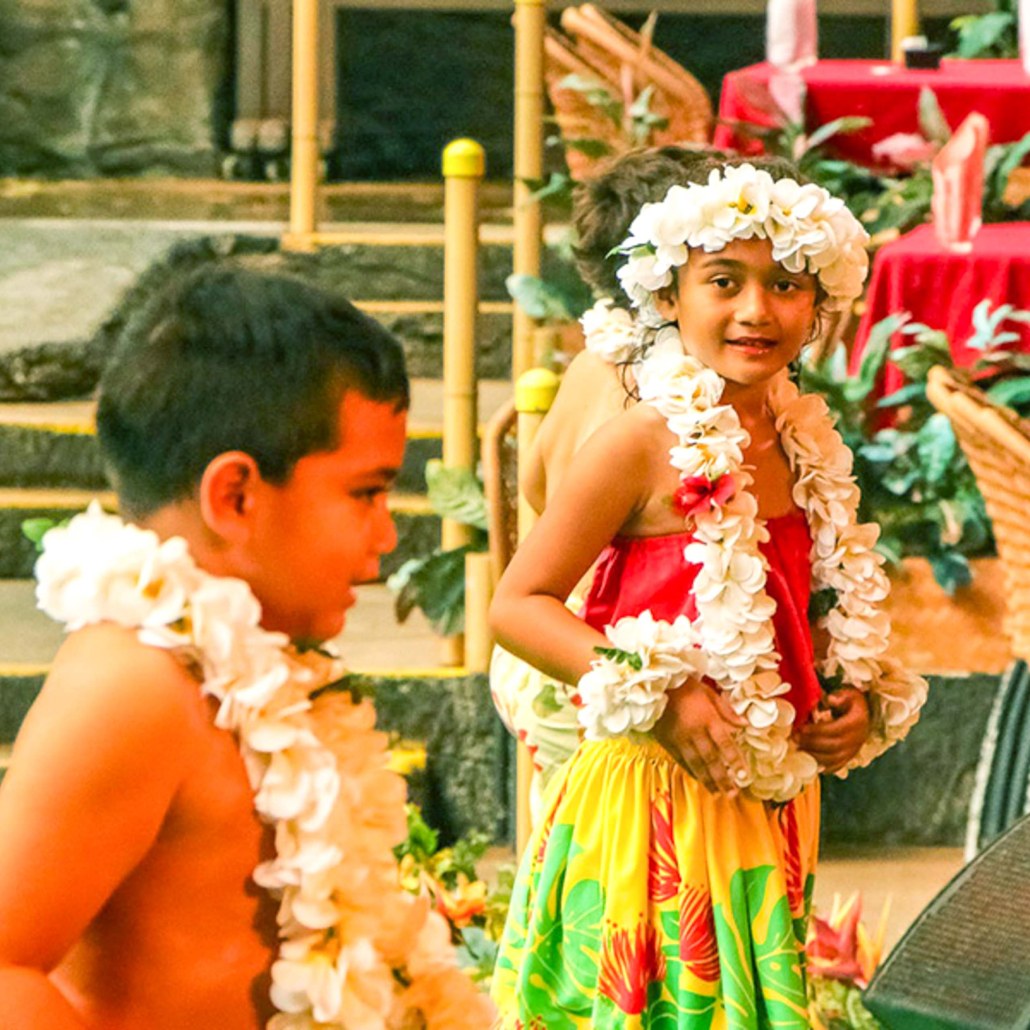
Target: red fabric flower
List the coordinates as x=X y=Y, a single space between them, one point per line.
x=663 y=875
x=698 y=948
x=698 y=494
x=630 y=961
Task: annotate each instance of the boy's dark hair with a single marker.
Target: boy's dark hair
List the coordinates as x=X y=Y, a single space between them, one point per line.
x=227 y=358
x=605 y=205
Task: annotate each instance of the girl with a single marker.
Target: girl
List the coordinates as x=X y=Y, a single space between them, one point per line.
x=593 y=390
x=721 y=507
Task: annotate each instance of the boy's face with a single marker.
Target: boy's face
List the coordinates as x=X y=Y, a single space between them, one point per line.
x=325 y=528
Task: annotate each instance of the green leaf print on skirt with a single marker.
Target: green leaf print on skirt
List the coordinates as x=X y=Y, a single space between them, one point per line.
x=763 y=979
x=555 y=960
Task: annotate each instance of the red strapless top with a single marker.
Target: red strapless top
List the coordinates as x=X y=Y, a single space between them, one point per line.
x=637 y=573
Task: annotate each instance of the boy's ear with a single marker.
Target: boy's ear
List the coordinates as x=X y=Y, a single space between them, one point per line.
x=228 y=491
x=666 y=303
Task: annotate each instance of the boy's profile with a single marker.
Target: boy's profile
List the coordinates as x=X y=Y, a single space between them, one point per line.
x=263 y=422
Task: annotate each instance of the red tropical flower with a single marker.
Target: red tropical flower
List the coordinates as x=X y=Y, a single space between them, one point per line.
x=663 y=875
x=788 y=818
x=698 y=948
x=631 y=960
x=697 y=494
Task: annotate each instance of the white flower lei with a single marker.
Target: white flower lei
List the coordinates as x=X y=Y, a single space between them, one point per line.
x=314 y=760
x=809 y=229
x=731 y=641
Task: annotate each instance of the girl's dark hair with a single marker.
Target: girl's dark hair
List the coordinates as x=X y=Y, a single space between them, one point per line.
x=226 y=358
x=604 y=206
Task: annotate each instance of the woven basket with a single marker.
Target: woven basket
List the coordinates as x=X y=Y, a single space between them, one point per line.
x=996 y=443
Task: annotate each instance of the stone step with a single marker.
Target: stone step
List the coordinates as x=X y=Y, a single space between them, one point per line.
x=418 y=527
x=60 y=279
x=53 y=444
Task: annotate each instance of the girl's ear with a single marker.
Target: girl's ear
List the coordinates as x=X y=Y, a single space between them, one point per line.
x=666 y=302
x=228 y=493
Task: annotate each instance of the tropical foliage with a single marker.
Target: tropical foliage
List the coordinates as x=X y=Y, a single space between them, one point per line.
x=914 y=478
x=436 y=582
x=993 y=34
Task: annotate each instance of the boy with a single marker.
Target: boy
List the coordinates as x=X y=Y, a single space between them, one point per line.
x=263 y=422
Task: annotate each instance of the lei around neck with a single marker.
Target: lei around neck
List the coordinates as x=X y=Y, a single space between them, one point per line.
x=731 y=641
x=356 y=951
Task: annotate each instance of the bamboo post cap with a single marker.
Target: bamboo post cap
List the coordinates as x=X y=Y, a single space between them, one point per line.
x=464 y=159
x=529 y=3
x=535 y=390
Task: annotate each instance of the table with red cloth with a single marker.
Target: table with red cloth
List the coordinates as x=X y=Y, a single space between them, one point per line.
x=940 y=287
x=888 y=94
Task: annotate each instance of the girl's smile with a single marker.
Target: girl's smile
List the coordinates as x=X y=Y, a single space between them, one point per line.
x=740 y=312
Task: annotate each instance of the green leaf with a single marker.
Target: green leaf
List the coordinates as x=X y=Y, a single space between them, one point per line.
x=932 y=123
x=875 y=354
x=908 y=394
x=540 y=299
x=630 y=658
x=846 y=124
x=1013 y=392
x=936 y=446
x=590 y=147
x=951 y=570
x=456 y=493
x=436 y=585
x=820 y=603
x=37 y=528
x=985 y=35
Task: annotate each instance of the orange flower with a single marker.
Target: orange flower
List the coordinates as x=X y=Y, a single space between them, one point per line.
x=464 y=903
x=663 y=875
x=631 y=960
x=698 y=948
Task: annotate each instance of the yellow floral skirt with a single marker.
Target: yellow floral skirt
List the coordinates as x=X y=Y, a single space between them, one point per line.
x=644 y=902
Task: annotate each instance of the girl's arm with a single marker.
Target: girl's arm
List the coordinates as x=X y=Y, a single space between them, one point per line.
x=605 y=486
x=601 y=490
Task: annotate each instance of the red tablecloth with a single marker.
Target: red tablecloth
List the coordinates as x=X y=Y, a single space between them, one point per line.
x=940 y=288
x=887 y=93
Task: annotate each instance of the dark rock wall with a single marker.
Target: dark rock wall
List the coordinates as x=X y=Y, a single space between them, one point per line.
x=106 y=87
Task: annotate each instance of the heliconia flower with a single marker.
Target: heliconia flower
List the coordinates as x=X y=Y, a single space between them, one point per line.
x=663 y=874
x=840 y=948
x=697 y=494
x=631 y=960
x=699 y=950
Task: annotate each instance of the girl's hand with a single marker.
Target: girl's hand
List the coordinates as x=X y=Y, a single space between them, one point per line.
x=696 y=728
x=835 y=741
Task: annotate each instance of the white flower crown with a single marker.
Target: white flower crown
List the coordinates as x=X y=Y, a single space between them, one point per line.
x=810 y=231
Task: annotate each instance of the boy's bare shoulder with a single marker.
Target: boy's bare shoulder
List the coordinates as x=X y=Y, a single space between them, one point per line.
x=103 y=680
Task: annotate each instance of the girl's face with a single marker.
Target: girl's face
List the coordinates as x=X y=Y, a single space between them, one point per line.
x=741 y=312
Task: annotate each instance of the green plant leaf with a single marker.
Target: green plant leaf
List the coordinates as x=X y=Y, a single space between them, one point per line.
x=936 y=446
x=1013 y=392
x=456 y=493
x=435 y=584
x=37 y=528
x=839 y=126
x=908 y=394
x=985 y=35
x=539 y=298
x=951 y=570
x=932 y=123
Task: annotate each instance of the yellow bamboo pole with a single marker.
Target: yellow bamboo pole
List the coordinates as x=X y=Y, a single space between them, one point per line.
x=478 y=589
x=534 y=395
x=463 y=166
x=904 y=22
x=530 y=16
x=304 y=118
